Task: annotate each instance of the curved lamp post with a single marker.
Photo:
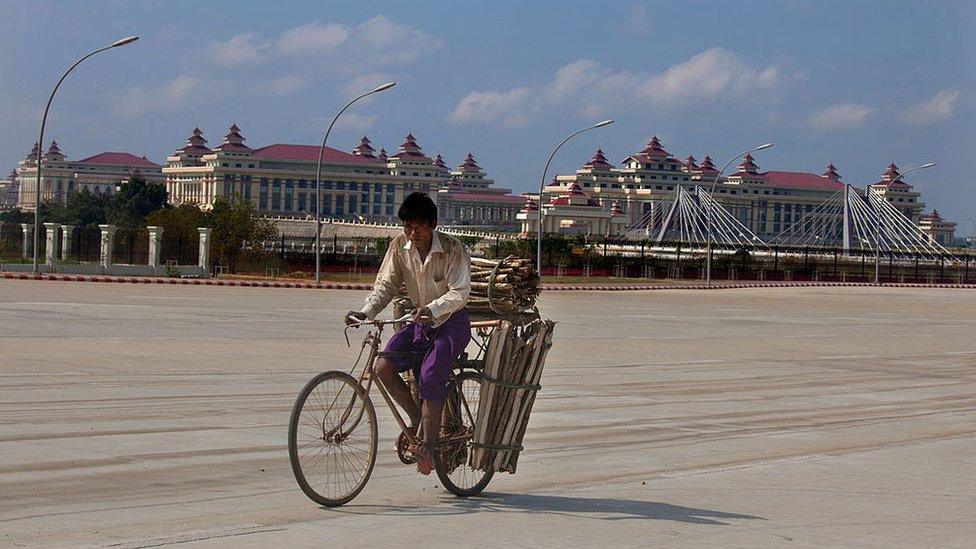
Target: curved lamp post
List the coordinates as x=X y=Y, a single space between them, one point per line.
x=542 y=187
x=40 y=139
x=318 y=183
x=877 y=229
x=714 y=203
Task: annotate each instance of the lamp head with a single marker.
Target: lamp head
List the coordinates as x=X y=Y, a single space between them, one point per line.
x=124 y=41
x=604 y=123
x=763 y=146
x=926 y=165
x=383 y=87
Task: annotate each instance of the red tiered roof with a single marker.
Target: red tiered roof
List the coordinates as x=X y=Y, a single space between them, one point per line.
x=410 y=148
x=654 y=149
x=119 y=159
x=196 y=145
x=889 y=176
x=530 y=205
x=707 y=166
x=747 y=165
x=310 y=153
x=439 y=162
x=382 y=156
x=573 y=191
x=233 y=141
x=469 y=165
x=690 y=165
x=364 y=149
x=616 y=210
x=598 y=161
x=934 y=216
x=831 y=172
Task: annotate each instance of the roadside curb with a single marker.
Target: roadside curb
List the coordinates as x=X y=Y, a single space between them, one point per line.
x=182 y=281
x=367 y=287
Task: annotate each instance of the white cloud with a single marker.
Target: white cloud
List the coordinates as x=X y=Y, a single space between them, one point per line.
x=843 y=116
x=240 y=49
x=312 y=38
x=285 y=85
x=365 y=82
x=585 y=84
x=935 y=109
x=389 y=42
x=139 y=100
x=709 y=75
x=351 y=121
x=507 y=108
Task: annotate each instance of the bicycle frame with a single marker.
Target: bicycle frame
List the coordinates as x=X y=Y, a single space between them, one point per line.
x=366 y=377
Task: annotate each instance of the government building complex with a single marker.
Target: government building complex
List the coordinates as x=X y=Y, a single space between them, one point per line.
x=364 y=184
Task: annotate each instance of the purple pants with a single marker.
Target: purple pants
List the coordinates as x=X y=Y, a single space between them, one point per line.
x=433 y=351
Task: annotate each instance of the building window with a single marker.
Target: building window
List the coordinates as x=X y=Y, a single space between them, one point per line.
x=352 y=186
x=288 y=196
x=389 y=209
x=301 y=202
x=376 y=208
x=340 y=185
x=263 y=196
x=352 y=204
x=340 y=204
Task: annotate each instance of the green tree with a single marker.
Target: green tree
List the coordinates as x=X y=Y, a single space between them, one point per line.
x=86 y=209
x=16 y=215
x=135 y=199
x=180 y=224
x=238 y=232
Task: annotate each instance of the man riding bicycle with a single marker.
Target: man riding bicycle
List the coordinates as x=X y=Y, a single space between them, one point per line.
x=436 y=270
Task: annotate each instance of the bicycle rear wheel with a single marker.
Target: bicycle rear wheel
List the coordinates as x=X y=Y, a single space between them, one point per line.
x=332 y=438
x=452 y=460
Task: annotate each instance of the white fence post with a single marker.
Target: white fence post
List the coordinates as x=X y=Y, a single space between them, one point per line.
x=204 y=262
x=108 y=244
x=67 y=239
x=28 y=248
x=155 y=239
x=51 y=243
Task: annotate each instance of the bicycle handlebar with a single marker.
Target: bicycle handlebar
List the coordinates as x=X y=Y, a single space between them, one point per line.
x=409 y=317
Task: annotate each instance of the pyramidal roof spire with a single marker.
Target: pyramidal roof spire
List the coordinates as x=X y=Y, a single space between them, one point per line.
x=830 y=172
x=598 y=161
x=364 y=149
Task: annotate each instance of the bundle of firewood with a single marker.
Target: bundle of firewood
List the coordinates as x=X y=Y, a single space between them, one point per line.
x=498 y=288
x=507 y=286
x=514 y=360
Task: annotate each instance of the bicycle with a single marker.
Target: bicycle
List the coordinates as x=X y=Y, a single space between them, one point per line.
x=332 y=432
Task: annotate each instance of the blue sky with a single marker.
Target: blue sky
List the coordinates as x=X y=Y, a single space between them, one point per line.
x=856 y=83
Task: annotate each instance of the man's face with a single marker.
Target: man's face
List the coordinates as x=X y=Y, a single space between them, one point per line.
x=419 y=232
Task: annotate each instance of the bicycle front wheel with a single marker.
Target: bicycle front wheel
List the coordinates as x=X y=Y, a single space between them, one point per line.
x=452 y=460
x=332 y=438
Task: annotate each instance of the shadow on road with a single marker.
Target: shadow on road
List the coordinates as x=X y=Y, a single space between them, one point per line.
x=589 y=508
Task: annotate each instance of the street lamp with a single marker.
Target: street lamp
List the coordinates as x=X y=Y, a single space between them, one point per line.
x=711 y=207
x=318 y=183
x=40 y=139
x=542 y=186
x=877 y=233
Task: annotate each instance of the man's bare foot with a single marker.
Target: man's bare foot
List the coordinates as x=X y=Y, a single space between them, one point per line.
x=425 y=460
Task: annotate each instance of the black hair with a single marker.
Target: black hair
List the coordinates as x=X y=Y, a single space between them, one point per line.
x=417 y=206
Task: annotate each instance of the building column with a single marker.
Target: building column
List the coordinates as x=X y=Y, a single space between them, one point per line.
x=51 y=243
x=108 y=244
x=67 y=237
x=204 y=261
x=28 y=248
x=155 y=239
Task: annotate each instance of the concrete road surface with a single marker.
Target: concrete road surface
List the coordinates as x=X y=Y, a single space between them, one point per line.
x=148 y=416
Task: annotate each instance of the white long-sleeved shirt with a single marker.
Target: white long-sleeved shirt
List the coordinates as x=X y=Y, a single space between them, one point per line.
x=442 y=281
